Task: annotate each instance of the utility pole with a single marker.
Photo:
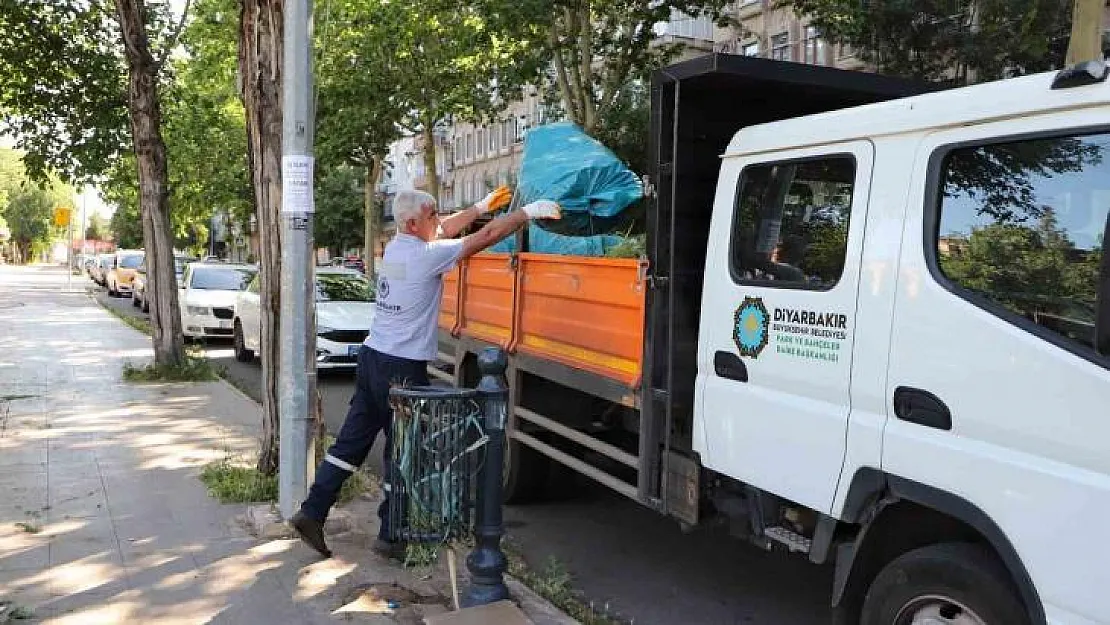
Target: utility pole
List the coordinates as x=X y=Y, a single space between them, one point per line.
x=297 y=352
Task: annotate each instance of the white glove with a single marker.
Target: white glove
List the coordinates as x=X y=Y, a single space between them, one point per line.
x=497 y=199
x=542 y=209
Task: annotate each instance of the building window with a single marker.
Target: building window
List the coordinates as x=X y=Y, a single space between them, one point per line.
x=459 y=154
x=791 y=222
x=780 y=47
x=481 y=142
x=505 y=134
x=519 y=128
x=813 y=47
x=1022 y=231
x=493 y=140
x=469 y=146
x=750 y=49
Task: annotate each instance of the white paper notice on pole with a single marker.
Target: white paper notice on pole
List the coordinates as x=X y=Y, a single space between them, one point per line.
x=296 y=184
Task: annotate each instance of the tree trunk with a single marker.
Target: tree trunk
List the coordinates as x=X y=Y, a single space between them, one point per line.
x=431 y=178
x=1086 y=31
x=150 y=157
x=260 y=62
x=371 y=216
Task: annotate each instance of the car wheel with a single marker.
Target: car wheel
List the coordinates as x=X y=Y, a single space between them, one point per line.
x=146 y=305
x=134 y=299
x=242 y=354
x=957 y=583
x=112 y=291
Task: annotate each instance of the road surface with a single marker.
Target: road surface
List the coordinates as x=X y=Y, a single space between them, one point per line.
x=621 y=556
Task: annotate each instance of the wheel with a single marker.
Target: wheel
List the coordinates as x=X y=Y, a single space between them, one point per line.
x=146 y=305
x=526 y=474
x=945 y=584
x=242 y=354
x=134 y=299
x=112 y=292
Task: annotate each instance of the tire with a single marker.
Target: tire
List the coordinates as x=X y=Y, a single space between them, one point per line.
x=112 y=292
x=526 y=474
x=135 y=300
x=242 y=354
x=146 y=305
x=961 y=583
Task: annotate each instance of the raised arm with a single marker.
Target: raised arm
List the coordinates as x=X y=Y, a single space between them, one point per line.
x=505 y=225
x=457 y=222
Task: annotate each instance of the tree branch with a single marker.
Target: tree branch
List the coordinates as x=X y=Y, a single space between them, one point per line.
x=573 y=19
x=561 y=75
x=585 y=61
x=172 y=43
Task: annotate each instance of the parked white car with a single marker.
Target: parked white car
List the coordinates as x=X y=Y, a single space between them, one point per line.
x=344 y=311
x=207 y=297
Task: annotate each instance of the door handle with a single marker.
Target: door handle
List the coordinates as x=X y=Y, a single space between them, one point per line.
x=730 y=366
x=921 y=407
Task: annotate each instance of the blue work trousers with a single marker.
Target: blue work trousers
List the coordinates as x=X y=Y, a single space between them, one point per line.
x=369 y=413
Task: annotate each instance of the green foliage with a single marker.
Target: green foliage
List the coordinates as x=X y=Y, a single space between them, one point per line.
x=27 y=207
x=63 y=85
x=205 y=134
x=193 y=368
x=339 y=212
x=626 y=126
x=205 y=125
x=554 y=583
x=936 y=40
x=389 y=67
x=597 y=49
x=29 y=528
x=232 y=483
x=97 y=228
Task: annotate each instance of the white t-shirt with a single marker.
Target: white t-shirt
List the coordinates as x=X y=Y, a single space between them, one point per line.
x=410 y=286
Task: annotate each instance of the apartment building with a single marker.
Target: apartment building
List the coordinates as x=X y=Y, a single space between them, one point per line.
x=772 y=32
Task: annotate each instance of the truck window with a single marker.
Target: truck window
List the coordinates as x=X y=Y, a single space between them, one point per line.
x=791 y=222
x=1021 y=231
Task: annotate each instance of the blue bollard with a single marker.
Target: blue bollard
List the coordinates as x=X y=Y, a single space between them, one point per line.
x=487 y=563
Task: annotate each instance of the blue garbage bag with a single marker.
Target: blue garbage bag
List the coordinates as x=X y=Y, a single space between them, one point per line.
x=593 y=187
x=543 y=242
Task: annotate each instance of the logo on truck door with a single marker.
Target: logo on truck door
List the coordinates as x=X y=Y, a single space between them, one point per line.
x=750 y=327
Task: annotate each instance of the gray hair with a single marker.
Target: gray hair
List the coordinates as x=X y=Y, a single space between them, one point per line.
x=408 y=204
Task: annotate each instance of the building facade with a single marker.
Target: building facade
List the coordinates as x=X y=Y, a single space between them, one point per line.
x=473 y=159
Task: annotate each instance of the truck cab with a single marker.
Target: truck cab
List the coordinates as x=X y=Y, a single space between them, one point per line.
x=876 y=332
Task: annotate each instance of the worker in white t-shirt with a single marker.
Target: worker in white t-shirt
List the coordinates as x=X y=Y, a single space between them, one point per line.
x=402 y=339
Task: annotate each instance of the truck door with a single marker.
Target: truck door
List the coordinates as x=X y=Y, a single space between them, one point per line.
x=777 y=320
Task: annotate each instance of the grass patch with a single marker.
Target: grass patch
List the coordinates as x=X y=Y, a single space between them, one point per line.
x=236 y=482
x=232 y=483
x=194 y=368
x=30 y=528
x=631 y=246
x=553 y=583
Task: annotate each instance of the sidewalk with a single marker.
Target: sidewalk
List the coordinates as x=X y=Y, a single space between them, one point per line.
x=102 y=516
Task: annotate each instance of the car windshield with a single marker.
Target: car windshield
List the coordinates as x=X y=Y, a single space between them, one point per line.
x=221 y=278
x=130 y=261
x=338 y=287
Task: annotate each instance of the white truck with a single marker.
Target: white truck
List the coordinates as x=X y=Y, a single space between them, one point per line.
x=875 y=330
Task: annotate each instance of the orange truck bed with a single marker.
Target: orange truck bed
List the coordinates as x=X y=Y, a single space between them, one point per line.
x=586 y=313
